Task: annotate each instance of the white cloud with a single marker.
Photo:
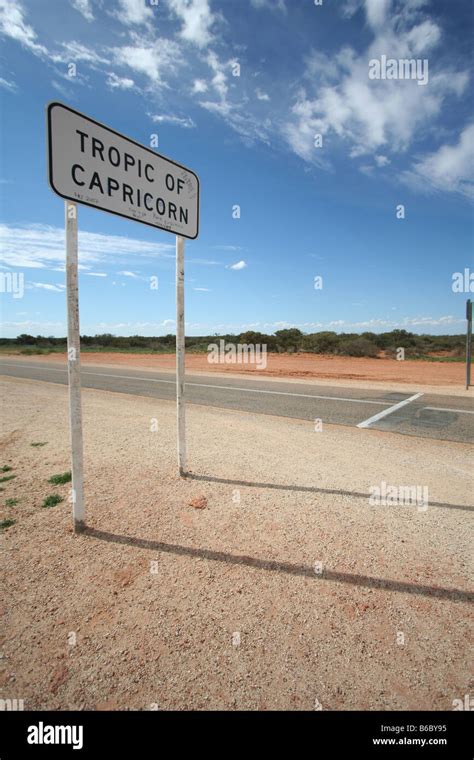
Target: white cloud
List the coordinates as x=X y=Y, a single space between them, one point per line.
x=197 y=20
x=450 y=168
x=377 y=12
x=261 y=95
x=12 y=329
x=373 y=325
x=61 y=89
x=431 y=321
x=96 y=274
x=200 y=328
x=39 y=246
x=370 y=325
x=223 y=108
x=153 y=59
x=46 y=286
x=62 y=268
x=238 y=265
x=299 y=132
x=367 y=169
x=199 y=85
x=349 y=7
x=203 y=290
x=248 y=126
x=185 y=122
x=274 y=5
x=84 y=7
x=134 y=12
x=121 y=83
x=133 y=276
x=13 y=25
x=219 y=80
x=7 y=85
x=423 y=37
x=370 y=115
x=76 y=51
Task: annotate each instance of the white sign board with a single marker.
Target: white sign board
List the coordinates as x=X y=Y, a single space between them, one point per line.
x=92 y=164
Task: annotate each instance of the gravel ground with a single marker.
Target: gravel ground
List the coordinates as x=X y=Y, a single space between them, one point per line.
x=164 y=605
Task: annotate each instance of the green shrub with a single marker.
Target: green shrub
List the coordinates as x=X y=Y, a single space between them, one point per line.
x=59 y=480
x=6 y=523
x=52 y=500
x=358 y=347
x=320 y=343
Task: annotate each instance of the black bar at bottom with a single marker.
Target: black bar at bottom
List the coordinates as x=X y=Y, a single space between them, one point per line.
x=137 y=734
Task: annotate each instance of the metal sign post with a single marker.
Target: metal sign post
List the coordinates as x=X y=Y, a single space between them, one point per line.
x=180 y=355
x=74 y=367
x=468 y=342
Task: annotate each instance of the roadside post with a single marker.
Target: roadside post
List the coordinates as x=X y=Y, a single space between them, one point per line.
x=74 y=367
x=468 y=342
x=91 y=164
x=180 y=354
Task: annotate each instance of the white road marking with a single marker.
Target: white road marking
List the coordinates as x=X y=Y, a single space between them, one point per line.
x=287 y=393
x=221 y=387
x=386 y=412
x=28 y=366
x=442 y=409
x=128 y=377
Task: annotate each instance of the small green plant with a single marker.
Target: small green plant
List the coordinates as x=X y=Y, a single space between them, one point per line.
x=59 y=480
x=39 y=443
x=11 y=502
x=6 y=468
x=4 y=524
x=52 y=500
x=7 y=477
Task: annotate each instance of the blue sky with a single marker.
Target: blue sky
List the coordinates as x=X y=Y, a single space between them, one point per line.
x=306 y=210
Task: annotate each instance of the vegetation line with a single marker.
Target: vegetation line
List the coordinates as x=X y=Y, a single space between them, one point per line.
x=377 y=345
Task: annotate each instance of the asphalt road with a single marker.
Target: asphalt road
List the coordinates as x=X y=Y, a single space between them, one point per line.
x=425 y=415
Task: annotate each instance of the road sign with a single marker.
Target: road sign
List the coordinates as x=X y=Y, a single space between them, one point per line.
x=91 y=164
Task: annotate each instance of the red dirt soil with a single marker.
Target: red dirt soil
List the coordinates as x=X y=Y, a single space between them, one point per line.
x=301 y=366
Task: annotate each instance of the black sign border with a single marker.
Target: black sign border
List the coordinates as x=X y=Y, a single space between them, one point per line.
x=49 y=109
